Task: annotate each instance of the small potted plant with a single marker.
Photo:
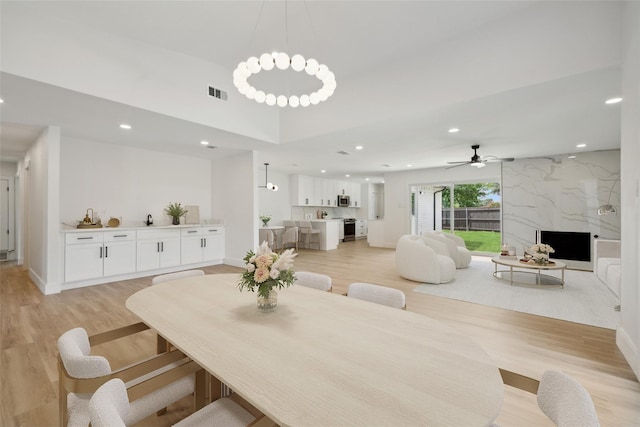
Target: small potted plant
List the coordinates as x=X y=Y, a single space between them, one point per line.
x=265 y=220
x=175 y=211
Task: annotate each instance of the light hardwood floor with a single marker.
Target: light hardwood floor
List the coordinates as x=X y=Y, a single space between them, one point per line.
x=30 y=324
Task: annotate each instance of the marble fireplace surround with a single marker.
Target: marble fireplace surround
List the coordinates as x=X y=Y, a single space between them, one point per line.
x=560 y=194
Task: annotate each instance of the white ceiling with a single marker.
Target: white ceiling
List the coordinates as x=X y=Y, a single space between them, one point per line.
x=355 y=38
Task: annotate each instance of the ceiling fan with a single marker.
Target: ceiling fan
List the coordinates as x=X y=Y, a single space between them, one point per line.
x=479 y=161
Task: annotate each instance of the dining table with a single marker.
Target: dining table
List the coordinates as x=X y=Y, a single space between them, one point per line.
x=324 y=359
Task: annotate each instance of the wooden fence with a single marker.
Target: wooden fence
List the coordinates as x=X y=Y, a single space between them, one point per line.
x=472 y=219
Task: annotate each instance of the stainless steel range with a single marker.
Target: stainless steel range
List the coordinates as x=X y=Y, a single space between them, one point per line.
x=349 y=229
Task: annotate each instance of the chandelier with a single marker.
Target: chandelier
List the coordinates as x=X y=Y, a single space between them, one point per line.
x=281 y=61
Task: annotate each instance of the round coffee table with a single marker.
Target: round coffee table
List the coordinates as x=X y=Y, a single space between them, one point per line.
x=518 y=276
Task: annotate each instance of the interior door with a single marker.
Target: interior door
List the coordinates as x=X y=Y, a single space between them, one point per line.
x=4 y=214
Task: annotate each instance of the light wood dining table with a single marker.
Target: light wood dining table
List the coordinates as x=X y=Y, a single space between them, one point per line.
x=324 y=359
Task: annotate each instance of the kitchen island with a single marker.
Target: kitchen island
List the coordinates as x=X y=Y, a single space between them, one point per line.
x=329 y=232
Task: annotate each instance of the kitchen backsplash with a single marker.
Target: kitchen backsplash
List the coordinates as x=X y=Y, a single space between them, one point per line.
x=299 y=212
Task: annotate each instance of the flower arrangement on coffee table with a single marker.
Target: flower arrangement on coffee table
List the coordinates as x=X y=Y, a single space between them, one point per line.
x=540 y=253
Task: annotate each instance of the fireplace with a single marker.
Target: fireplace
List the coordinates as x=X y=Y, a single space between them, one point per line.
x=568 y=245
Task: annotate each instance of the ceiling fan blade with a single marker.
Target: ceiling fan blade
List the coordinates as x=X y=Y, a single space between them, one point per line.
x=458 y=163
x=504 y=159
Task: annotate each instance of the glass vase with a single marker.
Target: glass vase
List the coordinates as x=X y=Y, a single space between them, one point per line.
x=269 y=302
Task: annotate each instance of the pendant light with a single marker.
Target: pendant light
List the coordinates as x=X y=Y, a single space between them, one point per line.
x=268 y=185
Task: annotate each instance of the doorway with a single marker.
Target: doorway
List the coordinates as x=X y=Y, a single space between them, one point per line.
x=475 y=214
x=7 y=220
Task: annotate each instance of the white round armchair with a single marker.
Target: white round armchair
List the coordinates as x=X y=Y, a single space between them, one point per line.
x=418 y=259
x=456 y=247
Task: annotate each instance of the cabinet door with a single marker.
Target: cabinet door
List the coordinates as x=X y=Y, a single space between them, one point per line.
x=170 y=252
x=191 y=251
x=214 y=247
x=83 y=262
x=148 y=255
x=119 y=257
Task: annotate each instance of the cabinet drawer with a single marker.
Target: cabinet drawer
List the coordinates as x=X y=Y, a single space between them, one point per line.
x=119 y=236
x=80 y=238
x=191 y=231
x=211 y=230
x=160 y=234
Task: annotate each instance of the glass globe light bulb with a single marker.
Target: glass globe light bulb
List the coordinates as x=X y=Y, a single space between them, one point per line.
x=294 y=101
x=323 y=71
x=270 y=99
x=312 y=67
x=314 y=98
x=260 y=97
x=304 y=100
x=266 y=61
x=275 y=187
x=243 y=70
x=282 y=101
x=282 y=61
x=253 y=64
x=251 y=92
x=297 y=62
x=270 y=185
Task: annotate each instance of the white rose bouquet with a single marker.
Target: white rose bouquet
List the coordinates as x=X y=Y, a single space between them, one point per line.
x=265 y=270
x=540 y=253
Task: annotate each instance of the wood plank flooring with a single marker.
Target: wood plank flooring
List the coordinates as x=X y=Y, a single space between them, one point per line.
x=30 y=324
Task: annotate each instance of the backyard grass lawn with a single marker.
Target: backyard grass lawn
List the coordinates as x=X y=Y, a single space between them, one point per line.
x=481 y=241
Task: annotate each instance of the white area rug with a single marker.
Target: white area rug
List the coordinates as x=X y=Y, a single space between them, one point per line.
x=584 y=299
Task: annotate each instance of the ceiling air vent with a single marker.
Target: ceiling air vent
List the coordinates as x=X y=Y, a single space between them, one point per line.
x=344 y=153
x=212 y=146
x=386 y=165
x=217 y=93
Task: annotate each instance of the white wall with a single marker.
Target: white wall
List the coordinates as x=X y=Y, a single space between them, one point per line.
x=628 y=334
x=274 y=203
x=42 y=213
x=8 y=169
x=397 y=193
x=235 y=200
x=129 y=183
x=560 y=194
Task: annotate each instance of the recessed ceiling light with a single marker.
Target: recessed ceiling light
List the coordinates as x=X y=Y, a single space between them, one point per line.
x=359 y=147
x=366 y=179
x=125 y=126
x=323 y=171
x=454 y=130
x=613 y=100
x=572 y=157
x=1 y=101
x=347 y=175
x=409 y=166
x=204 y=142
x=581 y=145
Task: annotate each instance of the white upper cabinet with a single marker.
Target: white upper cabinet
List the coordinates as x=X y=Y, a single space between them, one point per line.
x=313 y=191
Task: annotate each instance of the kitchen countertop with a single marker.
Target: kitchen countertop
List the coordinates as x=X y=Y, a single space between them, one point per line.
x=67 y=228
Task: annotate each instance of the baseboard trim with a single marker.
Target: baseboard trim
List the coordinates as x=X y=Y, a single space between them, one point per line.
x=629 y=350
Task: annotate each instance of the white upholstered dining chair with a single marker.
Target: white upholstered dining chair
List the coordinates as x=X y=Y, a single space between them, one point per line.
x=110 y=407
x=154 y=383
x=266 y=236
x=378 y=294
x=561 y=398
x=313 y=280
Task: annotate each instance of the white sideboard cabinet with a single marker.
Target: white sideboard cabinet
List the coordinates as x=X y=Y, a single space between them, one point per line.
x=158 y=248
x=97 y=254
x=202 y=244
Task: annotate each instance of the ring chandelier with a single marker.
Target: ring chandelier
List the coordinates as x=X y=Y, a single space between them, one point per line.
x=281 y=60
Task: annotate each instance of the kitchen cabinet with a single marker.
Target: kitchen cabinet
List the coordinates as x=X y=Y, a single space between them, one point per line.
x=200 y=244
x=361 y=229
x=303 y=189
x=158 y=248
x=313 y=191
x=97 y=254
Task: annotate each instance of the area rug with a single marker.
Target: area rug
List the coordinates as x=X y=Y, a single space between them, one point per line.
x=584 y=299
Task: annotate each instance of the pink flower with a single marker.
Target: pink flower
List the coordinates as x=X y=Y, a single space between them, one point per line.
x=264 y=261
x=261 y=274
